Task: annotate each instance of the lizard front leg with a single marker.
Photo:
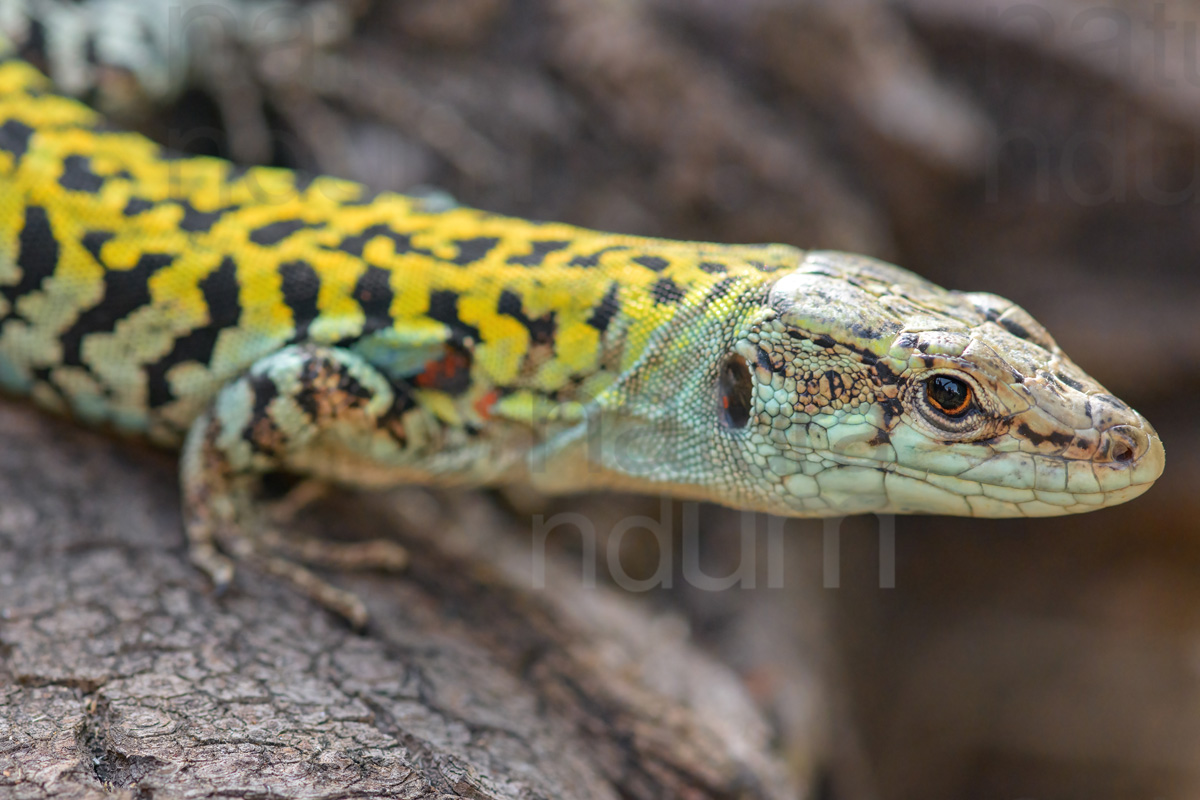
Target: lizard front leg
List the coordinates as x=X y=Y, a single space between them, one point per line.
x=310 y=409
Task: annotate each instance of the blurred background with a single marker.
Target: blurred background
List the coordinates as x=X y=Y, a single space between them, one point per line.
x=1045 y=151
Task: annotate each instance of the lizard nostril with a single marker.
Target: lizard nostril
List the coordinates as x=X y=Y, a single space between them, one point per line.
x=1124 y=444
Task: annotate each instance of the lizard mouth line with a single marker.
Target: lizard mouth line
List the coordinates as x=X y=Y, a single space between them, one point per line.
x=904 y=488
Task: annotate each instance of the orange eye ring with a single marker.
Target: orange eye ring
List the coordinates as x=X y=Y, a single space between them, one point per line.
x=949 y=395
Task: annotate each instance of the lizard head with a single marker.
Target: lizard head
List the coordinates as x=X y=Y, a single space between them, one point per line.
x=864 y=388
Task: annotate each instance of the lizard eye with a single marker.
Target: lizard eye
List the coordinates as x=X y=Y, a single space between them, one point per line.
x=736 y=390
x=949 y=395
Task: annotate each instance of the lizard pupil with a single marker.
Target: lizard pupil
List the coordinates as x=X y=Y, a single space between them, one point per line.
x=736 y=391
x=949 y=395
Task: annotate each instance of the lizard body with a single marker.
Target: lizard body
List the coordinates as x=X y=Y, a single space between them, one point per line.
x=261 y=319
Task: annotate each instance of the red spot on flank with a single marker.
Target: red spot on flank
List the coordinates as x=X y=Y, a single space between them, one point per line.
x=451 y=373
x=483 y=406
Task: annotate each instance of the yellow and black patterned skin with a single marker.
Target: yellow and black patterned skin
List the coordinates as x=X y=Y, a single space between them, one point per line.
x=261 y=320
x=139 y=283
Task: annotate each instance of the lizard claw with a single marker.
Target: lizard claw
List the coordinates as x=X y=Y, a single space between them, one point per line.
x=216 y=566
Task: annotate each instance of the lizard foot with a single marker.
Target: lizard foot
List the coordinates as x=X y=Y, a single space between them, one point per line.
x=270 y=419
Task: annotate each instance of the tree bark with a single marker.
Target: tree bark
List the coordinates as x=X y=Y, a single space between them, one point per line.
x=122 y=675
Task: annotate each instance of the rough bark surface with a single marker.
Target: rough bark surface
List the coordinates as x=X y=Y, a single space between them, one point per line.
x=1045 y=151
x=121 y=675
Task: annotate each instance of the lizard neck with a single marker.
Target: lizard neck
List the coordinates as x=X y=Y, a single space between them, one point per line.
x=658 y=421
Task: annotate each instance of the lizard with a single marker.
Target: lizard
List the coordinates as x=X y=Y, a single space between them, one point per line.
x=260 y=319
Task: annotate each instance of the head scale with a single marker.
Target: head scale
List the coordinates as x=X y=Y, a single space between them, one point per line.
x=864 y=388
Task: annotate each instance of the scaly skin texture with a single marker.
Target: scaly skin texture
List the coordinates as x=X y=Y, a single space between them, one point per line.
x=266 y=320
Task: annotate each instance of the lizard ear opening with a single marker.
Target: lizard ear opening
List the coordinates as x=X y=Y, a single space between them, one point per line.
x=736 y=390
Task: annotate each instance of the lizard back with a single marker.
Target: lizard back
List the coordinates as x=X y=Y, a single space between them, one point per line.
x=135 y=282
